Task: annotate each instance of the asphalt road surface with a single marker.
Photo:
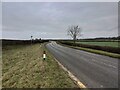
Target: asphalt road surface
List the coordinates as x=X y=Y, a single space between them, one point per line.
x=93 y=70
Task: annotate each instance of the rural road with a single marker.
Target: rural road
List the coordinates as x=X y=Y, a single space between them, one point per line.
x=93 y=70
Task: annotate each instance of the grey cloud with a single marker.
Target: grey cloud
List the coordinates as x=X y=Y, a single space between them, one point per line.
x=50 y=20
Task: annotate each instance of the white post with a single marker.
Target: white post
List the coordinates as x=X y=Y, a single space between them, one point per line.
x=44 y=55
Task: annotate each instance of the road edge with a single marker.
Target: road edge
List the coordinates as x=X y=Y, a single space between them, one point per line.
x=73 y=77
x=77 y=81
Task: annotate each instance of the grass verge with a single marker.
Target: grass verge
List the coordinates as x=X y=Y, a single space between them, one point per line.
x=23 y=67
x=95 y=51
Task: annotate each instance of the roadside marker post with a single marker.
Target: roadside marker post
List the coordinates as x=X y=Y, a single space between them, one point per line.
x=44 y=55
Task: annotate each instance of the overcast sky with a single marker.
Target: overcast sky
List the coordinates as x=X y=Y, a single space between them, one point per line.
x=50 y=20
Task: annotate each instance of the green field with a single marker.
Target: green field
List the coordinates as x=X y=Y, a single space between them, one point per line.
x=23 y=67
x=111 y=44
x=114 y=55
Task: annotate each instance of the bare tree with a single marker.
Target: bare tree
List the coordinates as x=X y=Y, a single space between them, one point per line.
x=74 y=31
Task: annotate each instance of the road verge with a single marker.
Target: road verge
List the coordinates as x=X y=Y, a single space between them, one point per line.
x=24 y=67
x=94 y=51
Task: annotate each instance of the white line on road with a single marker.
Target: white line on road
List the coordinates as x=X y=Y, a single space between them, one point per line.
x=80 y=84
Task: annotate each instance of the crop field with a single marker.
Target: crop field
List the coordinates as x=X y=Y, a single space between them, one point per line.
x=104 y=43
x=23 y=67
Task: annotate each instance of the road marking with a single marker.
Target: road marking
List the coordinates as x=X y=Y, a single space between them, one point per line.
x=101 y=86
x=112 y=66
x=105 y=64
x=80 y=84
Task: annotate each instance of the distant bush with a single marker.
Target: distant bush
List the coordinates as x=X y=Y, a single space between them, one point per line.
x=103 y=48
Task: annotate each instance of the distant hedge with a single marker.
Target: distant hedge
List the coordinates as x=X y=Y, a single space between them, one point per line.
x=103 y=48
x=16 y=42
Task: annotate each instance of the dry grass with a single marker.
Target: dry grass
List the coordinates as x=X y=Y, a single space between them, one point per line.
x=23 y=67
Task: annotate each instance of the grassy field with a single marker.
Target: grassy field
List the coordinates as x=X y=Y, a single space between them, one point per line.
x=23 y=67
x=91 y=49
x=111 y=44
